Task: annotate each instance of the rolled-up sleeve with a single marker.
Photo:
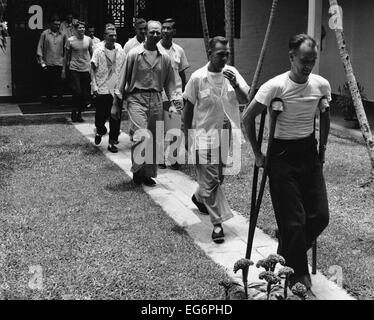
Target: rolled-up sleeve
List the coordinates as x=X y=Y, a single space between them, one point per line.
x=169 y=84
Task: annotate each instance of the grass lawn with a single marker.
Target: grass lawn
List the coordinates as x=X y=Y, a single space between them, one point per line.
x=67 y=209
x=348 y=241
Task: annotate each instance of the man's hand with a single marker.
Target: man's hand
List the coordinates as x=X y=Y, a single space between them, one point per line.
x=321 y=154
x=95 y=93
x=173 y=109
x=260 y=160
x=230 y=75
x=115 y=112
x=63 y=74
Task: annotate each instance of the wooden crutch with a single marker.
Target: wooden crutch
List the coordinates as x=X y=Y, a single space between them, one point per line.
x=275 y=109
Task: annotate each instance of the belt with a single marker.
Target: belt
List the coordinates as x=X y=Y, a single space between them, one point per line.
x=136 y=90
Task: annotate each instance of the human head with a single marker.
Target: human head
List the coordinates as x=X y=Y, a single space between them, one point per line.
x=168 y=28
x=110 y=36
x=303 y=56
x=153 y=32
x=140 y=27
x=219 y=52
x=55 y=23
x=80 y=26
x=69 y=17
x=91 y=31
x=110 y=26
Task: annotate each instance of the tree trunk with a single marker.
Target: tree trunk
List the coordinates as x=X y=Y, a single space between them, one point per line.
x=204 y=23
x=230 y=28
x=262 y=55
x=353 y=88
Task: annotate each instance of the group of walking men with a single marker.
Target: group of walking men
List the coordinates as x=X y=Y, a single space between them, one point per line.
x=148 y=77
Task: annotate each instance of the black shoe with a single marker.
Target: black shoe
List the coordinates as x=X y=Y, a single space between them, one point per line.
x=97 y=139
x=310 y=295
x=162 y=166
x=137 y=178
x=175 y=166
x=218 y=237
x=149 y=182
x=112 y=148
x=202 y=208
x=74 y=116
x=79 y=118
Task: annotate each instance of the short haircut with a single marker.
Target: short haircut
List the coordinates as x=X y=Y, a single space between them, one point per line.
x=109 y=26
x=170 y=20
x=152 y=22
x=79 y=23
x=297 y=40
x=215 y=40
x=55 y=17
x=139 y=21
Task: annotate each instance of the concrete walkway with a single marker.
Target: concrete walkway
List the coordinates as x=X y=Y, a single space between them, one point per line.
x=173 y=193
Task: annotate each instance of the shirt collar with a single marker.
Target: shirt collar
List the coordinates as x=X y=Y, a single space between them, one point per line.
x=51 y=32
x=142 y=49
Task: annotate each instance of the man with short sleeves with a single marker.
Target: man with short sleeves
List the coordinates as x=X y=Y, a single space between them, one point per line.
x=140 y=34
x=77 y=60
x=297 y=185
x=67 y=26
x=146 y=73
x=91 y=34
x=50 y=53
x=180 y=64
x=106 y=65
x=213 y=92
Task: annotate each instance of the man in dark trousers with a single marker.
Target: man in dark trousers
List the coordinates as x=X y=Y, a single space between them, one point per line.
x=106 y=64
x=78 y=55
x=297 y=185
x=50 y=53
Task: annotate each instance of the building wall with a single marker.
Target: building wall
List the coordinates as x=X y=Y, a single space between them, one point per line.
x=358 y=24
x=291 y=18
x=5 y=71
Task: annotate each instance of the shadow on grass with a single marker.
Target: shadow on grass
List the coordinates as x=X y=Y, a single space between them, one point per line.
x=124 y=186
x=35 y=120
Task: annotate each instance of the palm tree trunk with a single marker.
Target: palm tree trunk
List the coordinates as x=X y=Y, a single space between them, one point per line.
x=230 y=27
x=262 y=56
x=356 y=97
x=204 y=23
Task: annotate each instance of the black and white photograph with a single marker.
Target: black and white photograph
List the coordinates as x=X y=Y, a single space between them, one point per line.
x=183 y=154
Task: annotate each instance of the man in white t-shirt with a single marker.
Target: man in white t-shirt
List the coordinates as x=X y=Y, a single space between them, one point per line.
x=180 y=64
x=78 y=53
x=296 y=179
x=140 y=34
x=213 y=92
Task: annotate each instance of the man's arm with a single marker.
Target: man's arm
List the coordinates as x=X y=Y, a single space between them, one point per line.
x=67 y=57
x=249 y=122
x=93 y=71
x=40 y=49
x=169 y=84
x=241 y=94
x=324 y=123
x=182 y=74
x=187 y=120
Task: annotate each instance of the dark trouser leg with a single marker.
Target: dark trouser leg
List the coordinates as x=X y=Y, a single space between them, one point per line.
x=86 y=89
x=101 y=114
x=48 y=81
x=76 y=89
x=57 y=83
x=315 y=204
x=290 y=215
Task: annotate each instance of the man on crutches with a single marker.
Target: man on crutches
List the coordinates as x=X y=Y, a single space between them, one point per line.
x=297 y=185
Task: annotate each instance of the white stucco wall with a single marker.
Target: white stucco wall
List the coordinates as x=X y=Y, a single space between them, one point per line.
x=291 y=18
x=5 y=72
x=358 y=24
